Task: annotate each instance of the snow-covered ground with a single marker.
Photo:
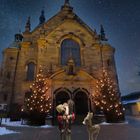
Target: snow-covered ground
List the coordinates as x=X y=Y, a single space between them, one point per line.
x=105 y=123
x=18 y=124
x=4 y=131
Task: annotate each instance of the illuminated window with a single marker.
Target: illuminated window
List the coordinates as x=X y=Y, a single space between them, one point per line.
x=70 y=48
x=30 y=71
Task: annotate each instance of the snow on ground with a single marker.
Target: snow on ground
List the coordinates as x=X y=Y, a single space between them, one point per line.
x=105 y=123
x=4 y=131
x=18 y=124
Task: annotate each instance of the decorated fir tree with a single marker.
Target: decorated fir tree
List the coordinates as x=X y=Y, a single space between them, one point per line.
x=38 y=103
x=106 y=98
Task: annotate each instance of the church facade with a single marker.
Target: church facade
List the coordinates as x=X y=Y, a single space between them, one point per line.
x=70 y=54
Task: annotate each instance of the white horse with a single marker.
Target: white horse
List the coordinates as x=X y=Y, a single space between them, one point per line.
x=93 y=130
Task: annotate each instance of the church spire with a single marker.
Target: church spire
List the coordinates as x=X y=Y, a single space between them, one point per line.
x=66 y=6
x=102 y=34
x=67 y=3
x=28 y=25
x=42 y=17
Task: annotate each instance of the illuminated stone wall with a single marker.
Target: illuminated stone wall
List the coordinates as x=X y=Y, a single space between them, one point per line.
x=42 y=46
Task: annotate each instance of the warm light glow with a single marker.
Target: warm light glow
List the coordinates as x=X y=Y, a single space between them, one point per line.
x=106 y=95
x=138 y=104
x=39 y=100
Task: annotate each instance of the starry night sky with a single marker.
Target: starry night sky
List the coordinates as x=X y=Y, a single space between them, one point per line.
x=121 y=20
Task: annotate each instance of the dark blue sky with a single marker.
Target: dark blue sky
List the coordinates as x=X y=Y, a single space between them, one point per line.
x=121 y=20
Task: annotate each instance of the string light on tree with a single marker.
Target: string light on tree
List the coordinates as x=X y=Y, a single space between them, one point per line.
x=38 y=100
x=106 y=97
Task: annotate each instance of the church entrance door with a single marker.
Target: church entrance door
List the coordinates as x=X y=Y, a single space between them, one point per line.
x=62 y=97
x=81 y=103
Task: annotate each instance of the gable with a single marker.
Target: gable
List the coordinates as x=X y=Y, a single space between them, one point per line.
x=70 y=26
x=80 y=76
x=66 y=18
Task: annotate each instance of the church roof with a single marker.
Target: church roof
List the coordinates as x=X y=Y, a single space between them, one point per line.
x=66 y=13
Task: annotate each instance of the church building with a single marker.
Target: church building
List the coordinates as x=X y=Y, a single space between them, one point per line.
x=71 y=54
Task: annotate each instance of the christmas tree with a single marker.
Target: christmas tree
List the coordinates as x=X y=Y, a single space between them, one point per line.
x=107 y=99
x=38 y=103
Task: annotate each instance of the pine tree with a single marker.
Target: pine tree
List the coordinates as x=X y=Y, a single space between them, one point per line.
x=107 y=98
x=38 y=103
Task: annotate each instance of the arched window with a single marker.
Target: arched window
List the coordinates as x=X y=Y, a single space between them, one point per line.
x=70 y=48
x=30 y=71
